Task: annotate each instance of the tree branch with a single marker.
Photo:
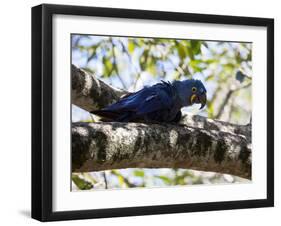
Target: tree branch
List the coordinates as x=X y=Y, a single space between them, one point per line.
x=103 y=146
x=227 y=98
x=90 y=93
x=201 y=122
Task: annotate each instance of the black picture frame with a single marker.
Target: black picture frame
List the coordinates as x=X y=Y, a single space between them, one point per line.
x=42 y=111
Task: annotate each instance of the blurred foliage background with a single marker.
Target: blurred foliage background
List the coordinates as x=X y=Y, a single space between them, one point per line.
x=131 y=63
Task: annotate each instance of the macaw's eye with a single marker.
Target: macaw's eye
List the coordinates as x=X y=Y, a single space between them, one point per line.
x=194 y=89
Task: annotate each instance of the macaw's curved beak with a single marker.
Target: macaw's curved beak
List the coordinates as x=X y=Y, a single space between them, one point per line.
x=199 y=99
x=203 y=100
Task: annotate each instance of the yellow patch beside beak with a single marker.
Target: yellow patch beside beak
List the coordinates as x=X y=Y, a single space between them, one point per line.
x=193 y=98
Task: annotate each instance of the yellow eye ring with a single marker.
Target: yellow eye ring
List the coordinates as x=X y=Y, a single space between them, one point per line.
x=194 y=89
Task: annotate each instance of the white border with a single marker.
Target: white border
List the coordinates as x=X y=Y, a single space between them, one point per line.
x=64 y=199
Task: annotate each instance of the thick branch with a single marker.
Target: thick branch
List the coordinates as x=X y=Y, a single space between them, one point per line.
x=202 y=122
x=90 y=93
x=102 y=146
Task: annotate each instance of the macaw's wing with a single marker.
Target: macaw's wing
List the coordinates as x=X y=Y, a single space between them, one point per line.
x=122 y=108
x=130 y=101
x=136 y=105
x=155 y=102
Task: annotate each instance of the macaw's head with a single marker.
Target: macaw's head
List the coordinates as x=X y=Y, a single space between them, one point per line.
x=191 y=91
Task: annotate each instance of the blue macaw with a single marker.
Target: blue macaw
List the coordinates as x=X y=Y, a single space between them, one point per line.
x=161 y=102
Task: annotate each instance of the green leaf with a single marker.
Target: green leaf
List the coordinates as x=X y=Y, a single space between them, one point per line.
x=210 y=61
x=196 y=46
x=210 y=109
x=179 y=180
x=139 y=173
x=197 y=65
x=151 y=65
x=165 y=179
x=107 y=67
x=182 y=50
x=81 y=183
x=190 y=53
x=119 y=176
x=121 y=180
x=131 y=46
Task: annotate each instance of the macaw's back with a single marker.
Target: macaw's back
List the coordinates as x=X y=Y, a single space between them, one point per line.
x=158 y=103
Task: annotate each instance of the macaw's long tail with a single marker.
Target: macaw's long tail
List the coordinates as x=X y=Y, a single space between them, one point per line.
x=108 y=116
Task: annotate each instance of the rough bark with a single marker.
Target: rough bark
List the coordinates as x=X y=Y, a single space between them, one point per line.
x=195 y=143
x=101 y=146
x=199 y=121
x=91 y=93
